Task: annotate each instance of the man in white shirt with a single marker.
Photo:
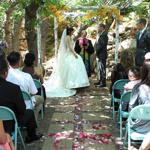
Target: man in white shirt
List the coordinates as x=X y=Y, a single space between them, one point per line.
x=24 y=80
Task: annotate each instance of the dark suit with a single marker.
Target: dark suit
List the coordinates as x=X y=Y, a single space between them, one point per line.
x=101 y=53
x=143 y=46
x=11 y=97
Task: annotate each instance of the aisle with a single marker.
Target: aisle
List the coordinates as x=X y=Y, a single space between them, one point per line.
x=80 y=122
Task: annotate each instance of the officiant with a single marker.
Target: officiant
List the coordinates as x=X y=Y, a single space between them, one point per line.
x=84 y=47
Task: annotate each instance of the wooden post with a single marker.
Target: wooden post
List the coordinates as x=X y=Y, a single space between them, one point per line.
x=56 y=35
x=39 y=39
x=117 y=41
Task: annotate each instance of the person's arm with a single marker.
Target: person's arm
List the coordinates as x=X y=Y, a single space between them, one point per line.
x=134 y=97
x=102 y=42
x=5 y=138
x=146 y=143
x=70 y=46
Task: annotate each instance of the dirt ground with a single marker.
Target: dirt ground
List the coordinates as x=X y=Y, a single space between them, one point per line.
x=80 y=122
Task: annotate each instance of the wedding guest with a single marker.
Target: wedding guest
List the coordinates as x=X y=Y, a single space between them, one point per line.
x=5 y=139
x=141 y=95
x=24 y=80
x=143 y=41
x=29 y=67
x=145 y=144
x=118 y=72
x=84 y=47
x=11 y=97
x=134 y=78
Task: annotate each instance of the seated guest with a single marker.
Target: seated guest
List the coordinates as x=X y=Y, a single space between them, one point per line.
x=24 y=80
x=141 y=95
x=11 y=97
x=117 y=73
x=5 y=139
x=29 y=68
x=134 y=78
x=145 y=144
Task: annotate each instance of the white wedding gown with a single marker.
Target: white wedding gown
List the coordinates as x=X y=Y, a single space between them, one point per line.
x=69 y=73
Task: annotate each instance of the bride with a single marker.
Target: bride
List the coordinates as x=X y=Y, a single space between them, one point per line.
x=70 y=72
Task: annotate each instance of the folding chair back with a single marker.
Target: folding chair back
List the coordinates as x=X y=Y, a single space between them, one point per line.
x=7 y=114
x=118 y=85
x=27 y=97
x=39 y=86
x=125 y=98
x=141 y=112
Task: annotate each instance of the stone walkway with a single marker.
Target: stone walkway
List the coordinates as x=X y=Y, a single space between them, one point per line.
x=81 y=122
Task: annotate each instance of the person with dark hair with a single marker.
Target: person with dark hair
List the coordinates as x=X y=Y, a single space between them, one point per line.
x=24 y=80
x=29 y=62
x=70 y=72
x=69 y=30
x=134 y=78
x=11 y=97
x=118 y=72
x=143 y=42
x=101 y=53
x=84 y=47
x=29 y=66
x=141 y=95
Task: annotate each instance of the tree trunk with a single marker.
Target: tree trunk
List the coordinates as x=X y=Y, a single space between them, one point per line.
x=16 y=34
x=44 y=36
x=8 y=26
x=30 y=27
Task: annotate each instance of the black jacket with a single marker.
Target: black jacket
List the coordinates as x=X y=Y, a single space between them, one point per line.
x=143 y=46
x=101 y=46
x=11 y=97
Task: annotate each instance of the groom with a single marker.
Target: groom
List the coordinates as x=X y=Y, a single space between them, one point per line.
x=101 y=54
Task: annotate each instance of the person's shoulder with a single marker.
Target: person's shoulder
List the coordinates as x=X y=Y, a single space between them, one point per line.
x=26 y=75
x=12 y=85
x=147 y=32
x=144 y=87
x=105 y=33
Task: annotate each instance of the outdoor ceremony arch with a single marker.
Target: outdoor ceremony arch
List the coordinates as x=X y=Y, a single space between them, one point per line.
x=94 y=8
x=89 y=8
